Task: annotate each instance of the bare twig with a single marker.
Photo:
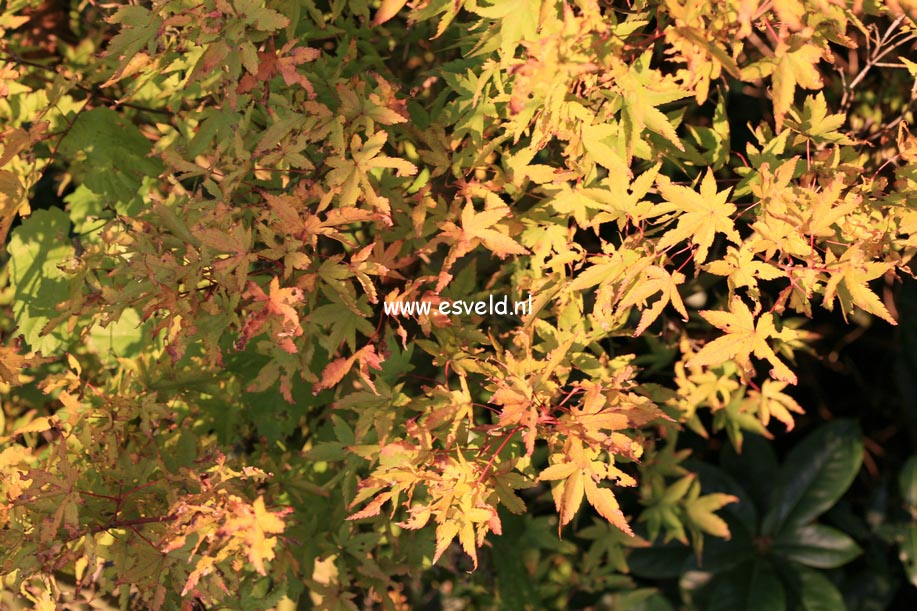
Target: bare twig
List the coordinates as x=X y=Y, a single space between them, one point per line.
x=884 y=45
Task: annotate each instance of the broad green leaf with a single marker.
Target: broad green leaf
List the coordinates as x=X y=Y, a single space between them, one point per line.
x=753 y=586
x=815 y=474
x=810 y=590
x=110 y=154
x=122 y=338
x=661 y=561
x=756 y=467
x=37 y=249
x=817 y=546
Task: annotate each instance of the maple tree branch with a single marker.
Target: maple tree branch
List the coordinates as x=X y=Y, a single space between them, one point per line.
x=92 y=92
x=875 y=59
x=493 y=456
x=131 y=523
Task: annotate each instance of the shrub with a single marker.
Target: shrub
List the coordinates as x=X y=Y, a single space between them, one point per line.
x=208 y=206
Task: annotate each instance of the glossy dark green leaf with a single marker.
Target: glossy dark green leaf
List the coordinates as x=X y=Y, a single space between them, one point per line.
x=661 y=561
x=713 y=479
x=817 y=546
x=642 y=599
x=752 y=586
x=755 y=468
x=810 y=590
x=815 y=475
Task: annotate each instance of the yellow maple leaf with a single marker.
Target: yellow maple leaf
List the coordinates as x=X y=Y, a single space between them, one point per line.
x=479 y=226
x=700 y=215
x=654 y=279
x=795 y=65
x=257 y=534
x=743 y=338
x=849 y=284
x=772 y=401
x=742 y=269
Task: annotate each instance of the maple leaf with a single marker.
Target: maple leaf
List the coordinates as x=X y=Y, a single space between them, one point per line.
x=353 y=174
x=654 y=279
x=743 y=338
x=334 y=372
x=476 y=228
x=772 y=401
x=603 y=499
x=279 y=302
x=575 y=474
x=12 y=364
x=387 y=10
x=269 y=63
x=849 y=283
x=795 y=66
x=828 y=210
x=701 y=215
x=593 y=138
x=264 y=523
x=743 y=270
x=815 y=123
x=518 y=410
x=12 y=202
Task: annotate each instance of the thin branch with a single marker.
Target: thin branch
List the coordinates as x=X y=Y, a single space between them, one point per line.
x=90 y=91
x=881 y=51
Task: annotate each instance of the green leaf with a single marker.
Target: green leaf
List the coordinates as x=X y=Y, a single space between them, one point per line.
x=515 y=587
x=37 y=248
x=661 y=561
x=811 y=590
x=110 y=154
x=907 y=481
x=753 y=586
x=756 y=467
x=817 y=546
x=122 y=338
x=815 y=475
x=327 y=451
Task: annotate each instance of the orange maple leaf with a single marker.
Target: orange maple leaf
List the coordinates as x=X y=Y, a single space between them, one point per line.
x=743 y=338
x=279 y=302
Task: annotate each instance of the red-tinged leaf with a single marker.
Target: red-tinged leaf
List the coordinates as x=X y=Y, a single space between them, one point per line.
x=333 y=373
x=373 y=508
x=255 y=526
